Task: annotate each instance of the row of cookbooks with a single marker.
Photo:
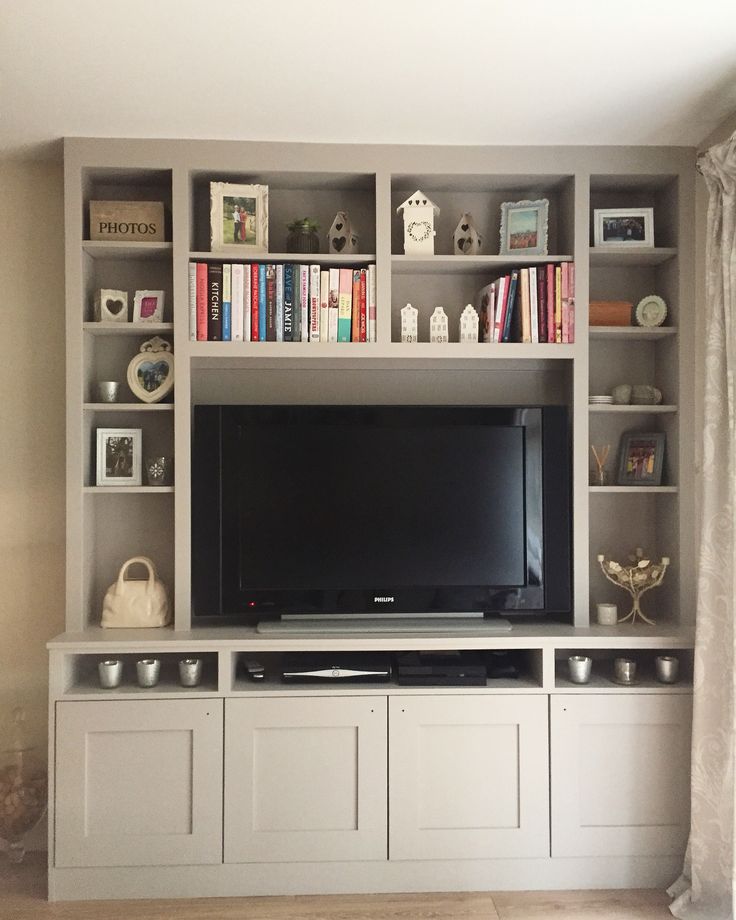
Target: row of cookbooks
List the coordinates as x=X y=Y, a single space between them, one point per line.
x=534 y=304
x=291 y=302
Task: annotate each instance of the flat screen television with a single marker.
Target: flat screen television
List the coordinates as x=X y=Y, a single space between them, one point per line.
x=380 y=510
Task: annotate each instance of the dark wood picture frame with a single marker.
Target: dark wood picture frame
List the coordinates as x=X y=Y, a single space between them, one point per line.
x=641 y=458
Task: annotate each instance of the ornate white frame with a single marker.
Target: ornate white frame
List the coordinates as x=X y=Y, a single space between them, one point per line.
x=541 y=206
x=221 y=190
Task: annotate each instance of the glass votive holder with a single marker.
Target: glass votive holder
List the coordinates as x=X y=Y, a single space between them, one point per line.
x=580 y=667
x=624 y=670
x=157 y=470
x=606 y=614
x=190 y=672
x=667 y=668
x=108 y=391
x=148 y=671
x=110 y=672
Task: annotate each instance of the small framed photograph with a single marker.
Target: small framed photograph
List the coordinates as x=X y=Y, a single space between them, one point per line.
x=148 y=307
x=119 y=456
x=524 y=227
x=641 y=458
x=239 y=217
x=616 y=227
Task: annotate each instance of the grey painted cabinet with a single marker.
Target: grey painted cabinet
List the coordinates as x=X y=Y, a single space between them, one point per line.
x=138 y=783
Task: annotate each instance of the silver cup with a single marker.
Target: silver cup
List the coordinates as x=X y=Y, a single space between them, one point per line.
x=111 y=673
x=667 y=667
x=148 y=671
x=580 y=667
x=624 y=670
x=190 y=672
x=108 y=391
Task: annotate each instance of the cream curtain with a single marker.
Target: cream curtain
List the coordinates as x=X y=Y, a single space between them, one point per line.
x=705 y=891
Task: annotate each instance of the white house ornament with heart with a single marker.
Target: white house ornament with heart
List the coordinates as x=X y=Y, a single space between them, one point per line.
x=111 y=306
x=466 y=240
x=419 y=215
x=151 y=373
x=342 y=239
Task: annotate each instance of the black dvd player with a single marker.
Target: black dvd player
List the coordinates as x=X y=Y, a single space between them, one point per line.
x=441 y=669
x=363 y=667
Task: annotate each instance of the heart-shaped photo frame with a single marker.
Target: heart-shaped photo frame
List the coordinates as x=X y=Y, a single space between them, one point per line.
x=151 y=372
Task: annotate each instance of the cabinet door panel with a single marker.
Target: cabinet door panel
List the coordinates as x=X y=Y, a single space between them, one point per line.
x=468 y=777
x=305 y=779
x=620 y=774
x=137 y=783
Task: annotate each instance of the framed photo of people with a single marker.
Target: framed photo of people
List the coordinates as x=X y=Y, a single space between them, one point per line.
x=641 y=457
x=238 y=218
x=616 y=228
x=119 y=456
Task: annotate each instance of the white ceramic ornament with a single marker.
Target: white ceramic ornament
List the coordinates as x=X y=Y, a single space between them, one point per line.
x=466 y=240
x=409 y=323
x=342 y=238
x=419 y=216
x=111 y=306
x=151 y=373
x=438 y=330
x=133 y=603
x=469 y=324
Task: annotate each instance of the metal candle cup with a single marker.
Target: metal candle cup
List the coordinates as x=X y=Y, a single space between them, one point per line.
x=190 y=672
x=607 y=614
x=580 y=667
x=667 y=668
x=624 y=670
x=110 y=672
x=108 y=391
x=148 y=670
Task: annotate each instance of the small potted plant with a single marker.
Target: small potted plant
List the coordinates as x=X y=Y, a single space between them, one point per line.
x=303 y=236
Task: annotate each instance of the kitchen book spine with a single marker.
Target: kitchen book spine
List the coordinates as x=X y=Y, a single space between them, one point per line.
x=202 y=301
x=270 y=303
x=372 y=302
x=533 y=304
x=262 y=322
x=279 y=303
x=237 y=302
x=246 y=302
x=314 y=304
x=304 y=302
x=193 y=301
x=355 y=315
x=363 y=305
x=324 y=306
x=254 y=298
x=334 y=303
x=227 y=274
x=214 y=302
x=288 y=302
x=345 y=305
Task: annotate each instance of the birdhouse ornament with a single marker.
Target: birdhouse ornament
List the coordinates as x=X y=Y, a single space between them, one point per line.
x=438 y=330
x=469 y=324
x=342 y=238
x=419 y=216
x=466 y=240
x=409 y=323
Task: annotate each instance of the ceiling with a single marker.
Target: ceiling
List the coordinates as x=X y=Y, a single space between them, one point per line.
x=379 y=71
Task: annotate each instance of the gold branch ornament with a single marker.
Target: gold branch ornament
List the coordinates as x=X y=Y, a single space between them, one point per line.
x=640 y=576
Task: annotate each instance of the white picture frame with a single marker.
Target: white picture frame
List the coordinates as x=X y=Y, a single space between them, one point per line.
x=617 y=228
x=249 y=232
x=119 y=452
x=148 y=307
x=524 y=228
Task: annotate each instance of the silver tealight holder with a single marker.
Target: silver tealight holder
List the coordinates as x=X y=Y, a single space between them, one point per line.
x=190 y=672
x=108 y=391
x=148 y=671
x=110 y=672
x=580 y=667
x=667 y=668
x=624 y=670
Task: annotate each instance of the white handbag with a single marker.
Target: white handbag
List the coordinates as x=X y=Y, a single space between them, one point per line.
x=134 y=603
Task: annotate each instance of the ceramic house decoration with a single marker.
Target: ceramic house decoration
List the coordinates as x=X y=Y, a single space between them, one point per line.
x=469 y=324
x=438 y=326
x=111 y=306
x=466 y=240
x=419 y=217
x=409 y=323
x=341 y=237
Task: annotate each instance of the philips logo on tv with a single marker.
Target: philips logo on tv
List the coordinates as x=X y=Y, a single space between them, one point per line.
x=384 y=600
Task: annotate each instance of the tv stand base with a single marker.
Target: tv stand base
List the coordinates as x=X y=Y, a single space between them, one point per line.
x=419 y=625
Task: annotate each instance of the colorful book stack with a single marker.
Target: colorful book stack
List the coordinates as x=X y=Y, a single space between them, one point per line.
x=261 y=302
x=535 y=304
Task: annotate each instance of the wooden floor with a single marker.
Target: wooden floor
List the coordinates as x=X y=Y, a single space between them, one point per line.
x=23 y=893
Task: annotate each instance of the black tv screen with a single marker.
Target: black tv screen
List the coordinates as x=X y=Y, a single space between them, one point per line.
x=377 y=509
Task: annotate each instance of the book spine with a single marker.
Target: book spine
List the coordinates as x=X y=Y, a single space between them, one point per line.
x=237 y=302
x=334 y=303
x=542 y=301
x=227 y=271
x=314 y=304
x=270 y=303
x=355 y=316
x=363 y=305
x=246 y=302
x=214 y=292
x=558 y=304
x=571 y=304
x=304 y=302
x=254 y=300
x=564 y=301
x=533 y=303
x=345 y=305
x=372 y=302
x=510 y=322
x=502 y=295
x=202 y=301
x=526 y=320
x=193 y=301
x=296 y=312
x=288 y=302
x=279 y=303
x=262 y=321
x=324 y=306
x=550 y=303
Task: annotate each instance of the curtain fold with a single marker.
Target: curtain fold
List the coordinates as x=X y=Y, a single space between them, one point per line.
x=705 y=891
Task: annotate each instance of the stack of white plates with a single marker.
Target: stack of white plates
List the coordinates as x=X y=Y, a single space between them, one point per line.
x=600 y=400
